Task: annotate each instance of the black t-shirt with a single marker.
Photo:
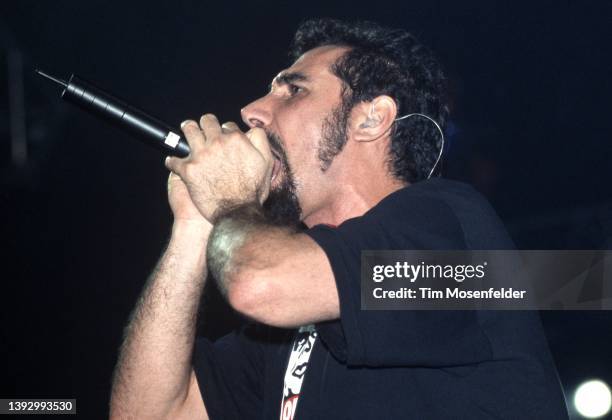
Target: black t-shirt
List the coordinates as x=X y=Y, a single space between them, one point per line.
x=394 y=364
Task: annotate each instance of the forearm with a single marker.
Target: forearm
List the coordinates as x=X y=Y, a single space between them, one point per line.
x=272 y=274
x=154 y=367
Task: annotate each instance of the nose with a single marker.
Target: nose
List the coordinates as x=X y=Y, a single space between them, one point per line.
x=258 y=113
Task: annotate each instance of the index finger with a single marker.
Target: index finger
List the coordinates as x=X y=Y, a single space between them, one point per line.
x=210 y=127
x=193 y=135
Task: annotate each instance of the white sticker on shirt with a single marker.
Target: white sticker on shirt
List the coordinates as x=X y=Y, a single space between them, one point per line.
x=296 y=370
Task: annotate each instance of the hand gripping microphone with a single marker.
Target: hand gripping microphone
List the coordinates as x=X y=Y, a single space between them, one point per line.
x=97 y=102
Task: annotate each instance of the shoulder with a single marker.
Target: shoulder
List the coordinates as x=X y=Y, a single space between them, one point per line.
x=433 y=214
x=432 y=193
x=441 y=201
x=431 y=207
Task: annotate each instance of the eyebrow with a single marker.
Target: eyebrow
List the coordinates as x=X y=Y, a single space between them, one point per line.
x=289 y=77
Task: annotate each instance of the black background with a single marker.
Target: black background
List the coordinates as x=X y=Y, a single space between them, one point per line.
x=85 y=218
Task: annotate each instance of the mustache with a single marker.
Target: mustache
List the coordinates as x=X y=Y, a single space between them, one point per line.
x=276 y=145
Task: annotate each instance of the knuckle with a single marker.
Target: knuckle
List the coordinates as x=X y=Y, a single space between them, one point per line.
x=189 y=171
x=188 y=123
x=216 y=148
x=197 y=157
x=208 y=116
x=190 y=127
x=234 y=136
x=170 y=163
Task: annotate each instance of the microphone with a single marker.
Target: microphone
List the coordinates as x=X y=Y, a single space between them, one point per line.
x=102 y=104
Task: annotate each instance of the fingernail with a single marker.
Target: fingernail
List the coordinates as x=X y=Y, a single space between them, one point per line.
x=183 y=123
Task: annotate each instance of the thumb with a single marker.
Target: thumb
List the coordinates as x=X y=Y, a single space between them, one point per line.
x=259 y=140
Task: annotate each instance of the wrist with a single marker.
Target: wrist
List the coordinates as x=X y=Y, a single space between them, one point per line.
x=191 y=229
x=188 y=242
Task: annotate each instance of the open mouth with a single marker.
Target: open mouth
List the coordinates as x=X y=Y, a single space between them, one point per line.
x=276 y=168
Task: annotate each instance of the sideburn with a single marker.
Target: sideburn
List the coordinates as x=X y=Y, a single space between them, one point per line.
x=333 y=133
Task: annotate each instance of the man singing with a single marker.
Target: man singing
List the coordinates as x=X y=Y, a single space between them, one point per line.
x=347 y=142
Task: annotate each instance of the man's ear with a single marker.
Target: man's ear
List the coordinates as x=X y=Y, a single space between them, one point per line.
x=370 y=120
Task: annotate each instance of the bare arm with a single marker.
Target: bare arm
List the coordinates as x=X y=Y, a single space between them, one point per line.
x=154 y=377
x=272 y=274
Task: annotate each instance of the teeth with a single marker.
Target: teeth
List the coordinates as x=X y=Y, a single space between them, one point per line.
x=275 y=169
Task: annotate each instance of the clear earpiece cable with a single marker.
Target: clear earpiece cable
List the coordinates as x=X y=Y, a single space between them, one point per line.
x=441 y=136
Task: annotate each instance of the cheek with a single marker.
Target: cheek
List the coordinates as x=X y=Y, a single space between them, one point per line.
x=301 y=137
x=302 y=128
x=300 y=125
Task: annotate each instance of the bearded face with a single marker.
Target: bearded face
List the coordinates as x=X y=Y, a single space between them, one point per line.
x=282 y=206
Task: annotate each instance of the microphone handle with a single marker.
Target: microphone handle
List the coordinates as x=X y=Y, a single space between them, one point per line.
x=148 y=129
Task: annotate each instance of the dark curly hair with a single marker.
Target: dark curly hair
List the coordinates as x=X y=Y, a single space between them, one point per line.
x=384 y=61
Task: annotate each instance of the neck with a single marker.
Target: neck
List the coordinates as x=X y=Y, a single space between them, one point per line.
x=352 y=200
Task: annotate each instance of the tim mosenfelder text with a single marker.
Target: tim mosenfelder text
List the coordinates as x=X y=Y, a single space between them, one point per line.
x=457 y=272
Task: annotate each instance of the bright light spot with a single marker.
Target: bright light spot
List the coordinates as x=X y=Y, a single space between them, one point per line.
x=593 y=399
